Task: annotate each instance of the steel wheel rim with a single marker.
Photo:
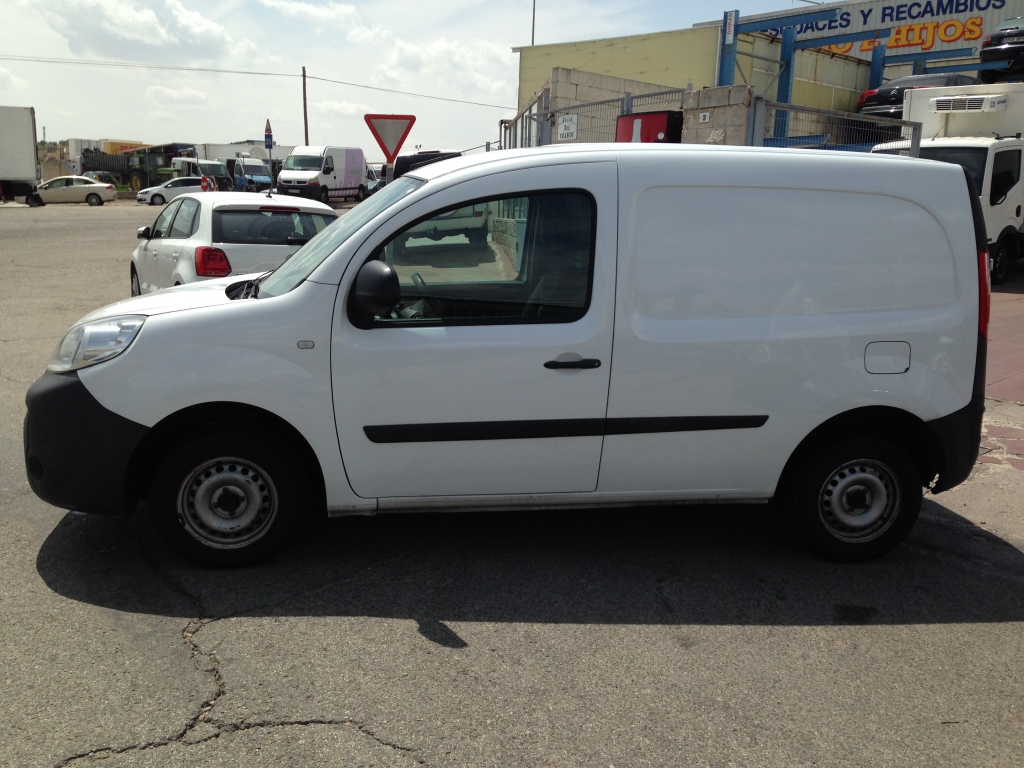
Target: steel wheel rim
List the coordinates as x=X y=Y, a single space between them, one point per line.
x=859 y=501
x=1002 y=262
x=227 y=503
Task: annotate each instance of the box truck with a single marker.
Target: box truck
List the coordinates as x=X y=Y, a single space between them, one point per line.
x=19 y=162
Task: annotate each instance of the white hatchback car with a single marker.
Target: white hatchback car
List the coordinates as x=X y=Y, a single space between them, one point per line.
x=217 y=234
x=169 y=190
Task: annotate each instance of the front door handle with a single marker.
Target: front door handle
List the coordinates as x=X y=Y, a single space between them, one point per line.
x=585 y=363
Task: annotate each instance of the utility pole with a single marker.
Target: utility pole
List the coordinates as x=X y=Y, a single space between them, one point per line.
x=533 y=22
x=305 y=114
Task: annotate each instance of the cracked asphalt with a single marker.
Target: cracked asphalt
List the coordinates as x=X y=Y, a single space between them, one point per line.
x=693 y=636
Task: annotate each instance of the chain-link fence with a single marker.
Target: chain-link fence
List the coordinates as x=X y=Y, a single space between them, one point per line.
x=662 y=101
x=786 y=125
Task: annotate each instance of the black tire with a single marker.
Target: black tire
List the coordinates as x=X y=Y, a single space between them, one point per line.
x=360 y=194
x=94 y=200
x=988 y=76
x=830 y=487
x=252 y=476
x=156 y=200
x=477 y=236
x=34 y=201
x=325 y=196
x=1003 y=257
x=136 y=287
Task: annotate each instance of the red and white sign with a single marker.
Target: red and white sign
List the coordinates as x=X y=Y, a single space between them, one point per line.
x=204 y=184
x=390 y=131
x=730 y=27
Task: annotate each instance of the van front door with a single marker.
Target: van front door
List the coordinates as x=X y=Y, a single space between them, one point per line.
x=491 y=374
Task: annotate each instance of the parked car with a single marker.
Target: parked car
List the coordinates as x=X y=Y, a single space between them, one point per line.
x=169 y=190
x=1006 y=43
x=200 y=236
x=838 y=370
x=103 y=177
x=887 y=101
x=76 y=189
x=248 y=174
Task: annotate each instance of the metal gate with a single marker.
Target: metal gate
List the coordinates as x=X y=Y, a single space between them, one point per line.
x=787 y=125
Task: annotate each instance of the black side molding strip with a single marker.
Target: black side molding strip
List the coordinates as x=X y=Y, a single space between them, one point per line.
x=523 y=430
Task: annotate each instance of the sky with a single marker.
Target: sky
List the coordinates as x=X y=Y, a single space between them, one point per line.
x=459 y=49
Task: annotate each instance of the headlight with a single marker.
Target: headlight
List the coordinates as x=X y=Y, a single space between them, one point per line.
x=92 y=343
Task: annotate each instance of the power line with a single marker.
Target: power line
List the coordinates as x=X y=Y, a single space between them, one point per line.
x=173 y=68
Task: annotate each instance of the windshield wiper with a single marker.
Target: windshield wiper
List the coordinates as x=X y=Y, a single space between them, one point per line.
x=251 y=288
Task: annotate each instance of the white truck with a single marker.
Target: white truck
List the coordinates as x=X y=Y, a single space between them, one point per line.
x=979 y=128
x=19 y=162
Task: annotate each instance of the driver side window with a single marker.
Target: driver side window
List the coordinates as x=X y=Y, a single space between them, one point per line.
x=329 y=165
x=522 y=259
x=1005 y=174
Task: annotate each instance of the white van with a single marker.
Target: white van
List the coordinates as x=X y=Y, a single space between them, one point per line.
x=323 y=173
x=643 y=325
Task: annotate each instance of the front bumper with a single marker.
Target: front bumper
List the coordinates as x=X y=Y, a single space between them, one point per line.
x=309 y=191
x=76 y=451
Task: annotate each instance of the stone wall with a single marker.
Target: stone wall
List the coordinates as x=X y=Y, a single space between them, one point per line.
x=728 y=109
x=504 y=234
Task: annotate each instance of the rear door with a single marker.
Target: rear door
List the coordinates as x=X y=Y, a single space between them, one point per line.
x=1006 y=193
x=173 y=247
x=78 y=190
x=466 y=388
x=149 y=253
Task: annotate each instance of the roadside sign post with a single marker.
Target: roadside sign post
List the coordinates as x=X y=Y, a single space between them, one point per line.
x=268 y=142
x=390 y=131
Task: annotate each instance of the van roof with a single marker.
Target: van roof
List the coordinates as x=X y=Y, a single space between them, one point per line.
x=610 y=151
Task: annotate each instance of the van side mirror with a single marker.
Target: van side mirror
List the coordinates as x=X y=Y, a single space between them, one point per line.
x=143 y=233
x=375 y=292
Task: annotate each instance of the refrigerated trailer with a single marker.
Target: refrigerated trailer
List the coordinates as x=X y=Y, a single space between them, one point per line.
x=19 y=162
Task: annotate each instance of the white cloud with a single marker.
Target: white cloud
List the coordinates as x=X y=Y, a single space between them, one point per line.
x=329 y=15
x=130 y=28
x=185 y=95
x=343 y=108
x=481 y=70
x=8 y=80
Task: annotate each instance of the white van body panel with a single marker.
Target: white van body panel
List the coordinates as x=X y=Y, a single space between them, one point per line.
x=702 y=329
x=231 y=351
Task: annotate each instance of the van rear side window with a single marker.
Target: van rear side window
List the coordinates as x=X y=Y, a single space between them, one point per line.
x=809 y=252
x=267 y=227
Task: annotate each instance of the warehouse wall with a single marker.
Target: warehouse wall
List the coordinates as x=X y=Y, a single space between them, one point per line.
x=672 y=59
x=678 y=58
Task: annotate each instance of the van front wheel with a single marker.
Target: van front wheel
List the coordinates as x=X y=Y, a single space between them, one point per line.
x=228 y=499
x=855 y=500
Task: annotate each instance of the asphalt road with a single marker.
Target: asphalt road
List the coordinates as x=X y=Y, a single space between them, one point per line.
x=693 y=636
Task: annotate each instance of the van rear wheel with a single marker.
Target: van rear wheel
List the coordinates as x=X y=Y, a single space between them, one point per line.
x=228 y=499
x=855 y=500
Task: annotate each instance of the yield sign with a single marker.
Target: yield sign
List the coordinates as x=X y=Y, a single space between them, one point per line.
x=390 y=132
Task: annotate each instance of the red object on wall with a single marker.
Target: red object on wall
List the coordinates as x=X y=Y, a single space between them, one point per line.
x=650 y=127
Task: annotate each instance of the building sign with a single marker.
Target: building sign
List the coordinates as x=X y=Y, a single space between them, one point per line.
x=567 y=127
x=730 y=27
x=931 y=25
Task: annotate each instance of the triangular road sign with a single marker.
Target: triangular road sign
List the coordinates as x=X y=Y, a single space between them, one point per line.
x=390 y=131
x=267 y=130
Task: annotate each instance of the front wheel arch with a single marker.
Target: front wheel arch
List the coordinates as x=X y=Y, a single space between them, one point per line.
x=210 y=418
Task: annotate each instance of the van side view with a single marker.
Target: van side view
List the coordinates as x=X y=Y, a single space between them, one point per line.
x=640 y=325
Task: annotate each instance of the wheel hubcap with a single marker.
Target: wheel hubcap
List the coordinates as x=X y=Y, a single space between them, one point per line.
x=227 y=503
x=859 y=501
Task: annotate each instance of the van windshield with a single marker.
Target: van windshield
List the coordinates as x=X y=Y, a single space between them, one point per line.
x=303 y=163
x=310 y=256
x=971 y=159
x=214 y=169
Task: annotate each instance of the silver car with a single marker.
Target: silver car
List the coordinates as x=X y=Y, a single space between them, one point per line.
x=76 y=189
x=169 y=190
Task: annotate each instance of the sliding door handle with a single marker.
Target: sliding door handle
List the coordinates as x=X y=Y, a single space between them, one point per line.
x=586 y=363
